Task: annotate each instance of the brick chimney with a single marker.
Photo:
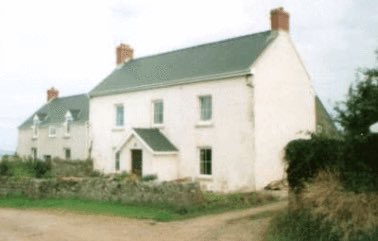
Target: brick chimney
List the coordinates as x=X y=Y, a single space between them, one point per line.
x=124 y=53
x=279 y=19
x=52 y=94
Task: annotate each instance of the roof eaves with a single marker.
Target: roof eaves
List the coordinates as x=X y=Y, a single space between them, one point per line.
x=172 y=83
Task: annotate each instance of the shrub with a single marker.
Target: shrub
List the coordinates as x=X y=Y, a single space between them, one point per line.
x=18 y=167
x=306 y=158
x=148 y=178
x=4 y=168
x=354 y=216
x=41 y=168
x=356 y=159
x=299 y=226
x=120 y=176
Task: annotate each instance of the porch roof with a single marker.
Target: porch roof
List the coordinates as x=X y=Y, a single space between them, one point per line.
x=155 y=139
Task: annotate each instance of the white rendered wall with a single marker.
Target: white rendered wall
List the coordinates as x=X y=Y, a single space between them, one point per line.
x=229 y=134
x=284 y=107
x=78 y=142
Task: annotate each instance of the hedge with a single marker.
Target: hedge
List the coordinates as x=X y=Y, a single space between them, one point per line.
x=355 y=159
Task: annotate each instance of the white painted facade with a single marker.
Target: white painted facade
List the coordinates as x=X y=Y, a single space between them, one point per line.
x=253 y=118
x=55 y=145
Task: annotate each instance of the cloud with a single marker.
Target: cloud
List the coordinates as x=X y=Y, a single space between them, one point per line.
x=70 y=44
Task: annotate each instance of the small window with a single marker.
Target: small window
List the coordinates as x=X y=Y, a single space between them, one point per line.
x=52 y=131
x=205 y=108
x=119 y=115
x=34 y=153
x=117 y=159
x=35 y=131
x=35 y=126
x=67 y=154
x=158 y=112
x=68 y=124
x=205 y=161
x=68 y=127
x=47 y=157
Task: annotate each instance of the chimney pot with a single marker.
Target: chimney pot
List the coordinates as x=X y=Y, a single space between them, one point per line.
x=124 y=53
x=279 y=19
x=52 y=93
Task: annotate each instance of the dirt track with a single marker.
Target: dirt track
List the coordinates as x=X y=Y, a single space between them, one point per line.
x=34 y=225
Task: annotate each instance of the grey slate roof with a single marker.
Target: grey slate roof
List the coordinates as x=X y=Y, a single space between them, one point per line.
x=227 y=58
x=155 y=139
x=324 y=119
x=53 y=112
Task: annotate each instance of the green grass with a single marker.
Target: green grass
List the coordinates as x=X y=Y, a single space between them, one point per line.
x=92 y=207
x=214 y=203
x=264 y=214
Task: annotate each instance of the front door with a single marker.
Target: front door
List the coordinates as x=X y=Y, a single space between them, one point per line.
x=136 y=162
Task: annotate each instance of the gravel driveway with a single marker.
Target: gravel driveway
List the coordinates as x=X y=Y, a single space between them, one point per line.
x=37 y=225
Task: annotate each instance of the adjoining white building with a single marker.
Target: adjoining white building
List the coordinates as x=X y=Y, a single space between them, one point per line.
x=220 y=113
x=58 y=129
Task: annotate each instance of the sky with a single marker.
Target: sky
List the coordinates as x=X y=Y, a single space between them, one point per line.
x=71 y=44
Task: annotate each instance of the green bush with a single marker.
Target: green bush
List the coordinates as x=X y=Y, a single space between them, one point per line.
x=299 y=226
x=120 y=176
x=306 y=157
x=355 y=159
x=17 y=167
x=4 y=168
x=41 y=168
x=148 y=178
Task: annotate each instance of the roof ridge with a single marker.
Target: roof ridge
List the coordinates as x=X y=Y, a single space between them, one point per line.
x=70 y=96
x=200 y=45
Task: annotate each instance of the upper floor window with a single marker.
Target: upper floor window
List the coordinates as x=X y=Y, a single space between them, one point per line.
x=68 y=124
x=205 y=108
x=35 y=126
x=52 y=131
x=158 y=112
x=119 y=121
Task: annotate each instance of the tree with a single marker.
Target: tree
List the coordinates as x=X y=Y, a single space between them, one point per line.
x=360 y=110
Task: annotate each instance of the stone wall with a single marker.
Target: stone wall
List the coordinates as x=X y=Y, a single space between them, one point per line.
x=73 y=168
x=104 y=189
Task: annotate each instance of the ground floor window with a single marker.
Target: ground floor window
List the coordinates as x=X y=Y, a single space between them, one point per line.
x=47 y=157
x=34 y=153
x=67 y=154
x=205 y=161
x=117 y=158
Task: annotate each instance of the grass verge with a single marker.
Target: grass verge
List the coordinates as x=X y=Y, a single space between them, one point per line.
x=214 y=203
x=92 y=207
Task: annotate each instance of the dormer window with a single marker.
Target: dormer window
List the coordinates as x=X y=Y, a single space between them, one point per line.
x=35 y=126
x=68 y=123
x=52 y=131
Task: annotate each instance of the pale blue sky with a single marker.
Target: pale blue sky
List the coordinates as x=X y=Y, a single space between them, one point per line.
x=70 y=44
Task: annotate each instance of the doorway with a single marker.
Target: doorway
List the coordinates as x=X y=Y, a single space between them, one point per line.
x=136 y=162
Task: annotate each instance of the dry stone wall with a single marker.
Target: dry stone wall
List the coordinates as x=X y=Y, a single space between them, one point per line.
x=104 y=189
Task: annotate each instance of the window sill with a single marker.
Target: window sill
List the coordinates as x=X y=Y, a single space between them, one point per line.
x=160 y=126
x=121 y=128
x=204 y=124
x=34 y=137
x=67 y=136
x=52 y=136
x=203 y=177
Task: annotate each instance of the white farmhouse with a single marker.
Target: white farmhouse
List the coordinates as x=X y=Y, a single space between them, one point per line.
x=58 y=129
x=219 y=113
